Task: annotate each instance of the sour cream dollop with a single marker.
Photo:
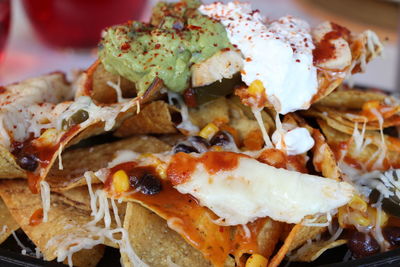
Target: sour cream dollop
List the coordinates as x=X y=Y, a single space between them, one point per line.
x=295 y=141
x=279 y=54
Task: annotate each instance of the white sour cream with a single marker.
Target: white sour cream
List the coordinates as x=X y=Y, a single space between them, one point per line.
x=295 y=141
x=255 y=190
x=279 y=54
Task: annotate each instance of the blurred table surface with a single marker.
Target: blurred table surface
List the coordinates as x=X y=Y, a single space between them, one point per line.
x=27 y=57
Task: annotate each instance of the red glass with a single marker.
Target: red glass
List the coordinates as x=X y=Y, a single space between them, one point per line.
x=5 y=14
x=78 y=23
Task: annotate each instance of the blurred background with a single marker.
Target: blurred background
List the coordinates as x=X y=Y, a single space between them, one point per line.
x=35 y=44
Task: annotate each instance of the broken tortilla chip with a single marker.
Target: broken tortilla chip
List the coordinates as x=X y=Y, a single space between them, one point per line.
x=76 y=162
x=310 y=252
x=63 y=219
x=155 y=243
x=7 y=222
x=154 y=118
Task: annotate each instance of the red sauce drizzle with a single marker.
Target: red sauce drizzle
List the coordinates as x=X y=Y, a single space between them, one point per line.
x=325 y=50
x=36 y=218
x=182 y=165
x=46 y=155
x=189 y=95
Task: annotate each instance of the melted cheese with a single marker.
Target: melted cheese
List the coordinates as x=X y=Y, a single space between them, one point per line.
x=27 y=108
x=45 y=195
x=254 y=190
x=186 y=125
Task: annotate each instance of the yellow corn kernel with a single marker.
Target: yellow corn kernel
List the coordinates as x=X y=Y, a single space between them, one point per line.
x=256 y=87
x=47 y=138
x=357 y=218
x=370 y=105
x=209 y=130
x=256 y=260
x=357 y=203
x=120 y=181
x=372 y=214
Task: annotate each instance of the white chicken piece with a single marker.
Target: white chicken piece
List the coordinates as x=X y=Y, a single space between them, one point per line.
x=342 y=52
x=223 y=64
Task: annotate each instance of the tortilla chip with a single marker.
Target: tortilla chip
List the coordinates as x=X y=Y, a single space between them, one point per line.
x=7 y=222
x=154 y=118
x=216 y=110
x=280 y=255
x=304 y=233
x=63 y=220
x=76 y=162
x=350 y=99
x=311 y=252
x=101 y=91
x=324 y=160
x=155 y=243
x=8 y=165
x=368 y=155
x=55 y=81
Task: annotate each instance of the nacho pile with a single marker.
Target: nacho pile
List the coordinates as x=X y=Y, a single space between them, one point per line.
x=210 y=136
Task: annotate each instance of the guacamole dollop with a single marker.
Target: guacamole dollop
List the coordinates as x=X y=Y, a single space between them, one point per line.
x=177 y=37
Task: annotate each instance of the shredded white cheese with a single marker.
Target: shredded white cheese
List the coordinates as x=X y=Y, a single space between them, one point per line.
x=45 y=195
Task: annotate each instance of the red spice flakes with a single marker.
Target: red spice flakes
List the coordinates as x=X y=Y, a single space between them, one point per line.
x=125 y=46
x=157 y=46
x=248 y=59
x=298 y=60
x=193 y=27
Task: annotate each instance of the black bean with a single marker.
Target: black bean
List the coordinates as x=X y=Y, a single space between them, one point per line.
x=149 y=185
x=28 y=162
x=184 y=148
x=199 y=143
x=221 y=138
x=392 y=235
x=362 y=245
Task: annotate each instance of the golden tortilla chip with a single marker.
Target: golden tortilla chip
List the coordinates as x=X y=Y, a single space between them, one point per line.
x=350 y=99
x=324 y=160
x=8 y=165
x=304 y=233
x=63 y=219
x=213 y=111
x=7 y=222
x=76 y=162
x=154 y=118
x=155 y=243
x=280 y=255
x=101 y=91
x=311 y=252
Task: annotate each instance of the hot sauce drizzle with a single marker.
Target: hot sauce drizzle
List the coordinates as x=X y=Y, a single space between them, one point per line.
x=36 y=218
x=325 y=50
x=182 y=165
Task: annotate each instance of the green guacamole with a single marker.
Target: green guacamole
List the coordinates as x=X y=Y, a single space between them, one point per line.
x=177 y=37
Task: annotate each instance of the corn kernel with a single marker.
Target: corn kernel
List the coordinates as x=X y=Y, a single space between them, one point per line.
x=256 y=260
x=120 y=181
x=209 y=130
x=372 y=214
x=358 y=219
x=47 y=138
x=370 y=105
x=357 y=203
x=256 y=87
